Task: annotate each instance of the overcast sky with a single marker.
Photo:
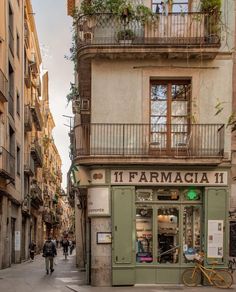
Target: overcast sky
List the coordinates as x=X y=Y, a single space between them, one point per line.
x=54 y=33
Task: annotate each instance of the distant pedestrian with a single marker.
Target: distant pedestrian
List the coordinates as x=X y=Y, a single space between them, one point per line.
x=49 y=251
x=65 y=245
x=32 y=249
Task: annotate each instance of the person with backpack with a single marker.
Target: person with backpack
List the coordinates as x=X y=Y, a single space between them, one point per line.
x=49 y=251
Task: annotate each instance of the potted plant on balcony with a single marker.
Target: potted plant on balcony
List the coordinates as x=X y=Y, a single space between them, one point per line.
x=212 y=23
x=125 y=36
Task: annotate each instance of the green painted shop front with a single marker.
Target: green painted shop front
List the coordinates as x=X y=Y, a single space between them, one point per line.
x=153 y=225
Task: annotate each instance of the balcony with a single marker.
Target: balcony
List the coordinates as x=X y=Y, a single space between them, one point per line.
x=29 y=165
x=47 y=217
x=159 y=143
x=36 y=194
x=3 y=87
x=28 y=119
x=11 y=104
x=7 y=165
x=36 y=152
x=172 y=36
x=11 y=40
x=36 y=113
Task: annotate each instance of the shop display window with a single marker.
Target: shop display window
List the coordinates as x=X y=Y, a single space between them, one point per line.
x=168 y=235
x=191 y=228
x=144 y=235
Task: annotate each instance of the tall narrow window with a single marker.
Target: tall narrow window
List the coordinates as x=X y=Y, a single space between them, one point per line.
x=169 y=113
x=18 y=104
x=10 y=29
x=18 y=45
x=11 y=90
x=18 y=162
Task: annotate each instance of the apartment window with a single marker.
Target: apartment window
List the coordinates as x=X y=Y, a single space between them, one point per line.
x=11 y=90
x=18 y=103
x=18 y=45
x=174 y=6
x=169 y=113
x=18 y=160
x=10 y=29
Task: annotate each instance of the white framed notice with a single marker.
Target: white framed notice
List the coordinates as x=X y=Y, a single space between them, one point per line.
x=215 y=242
x=17 y=240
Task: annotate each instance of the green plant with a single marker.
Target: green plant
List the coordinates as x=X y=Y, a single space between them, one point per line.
x=126 y=34
x=74 y=92
x=126 y=10
x=210 y=6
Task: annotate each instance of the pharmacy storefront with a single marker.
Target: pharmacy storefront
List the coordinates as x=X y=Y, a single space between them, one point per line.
x=157 y=216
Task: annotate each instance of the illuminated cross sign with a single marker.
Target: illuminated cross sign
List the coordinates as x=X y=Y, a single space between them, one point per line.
x=192 y=195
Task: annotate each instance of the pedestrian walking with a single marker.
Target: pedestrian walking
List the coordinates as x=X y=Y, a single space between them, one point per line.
x=65 y=245
x=32 y=249
x=49 y=252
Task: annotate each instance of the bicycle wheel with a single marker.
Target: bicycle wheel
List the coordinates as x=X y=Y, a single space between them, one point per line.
x=191 y=277
x=222 y=279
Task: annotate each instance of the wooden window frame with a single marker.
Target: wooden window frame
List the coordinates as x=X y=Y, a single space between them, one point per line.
x=169 y=82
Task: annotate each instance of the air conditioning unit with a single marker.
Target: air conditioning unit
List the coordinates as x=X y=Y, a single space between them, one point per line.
x=85 y=104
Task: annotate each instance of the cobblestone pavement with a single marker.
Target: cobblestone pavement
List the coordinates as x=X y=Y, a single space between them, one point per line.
x=31 y=277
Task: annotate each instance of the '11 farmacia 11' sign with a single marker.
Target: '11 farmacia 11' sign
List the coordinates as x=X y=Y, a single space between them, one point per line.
x=144 y=177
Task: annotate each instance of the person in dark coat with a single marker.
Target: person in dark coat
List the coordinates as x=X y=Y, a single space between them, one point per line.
x=32 y=249
x=49 y=252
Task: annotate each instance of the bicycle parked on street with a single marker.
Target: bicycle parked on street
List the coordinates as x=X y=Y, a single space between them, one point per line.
x=232 y=265
x=192 y=277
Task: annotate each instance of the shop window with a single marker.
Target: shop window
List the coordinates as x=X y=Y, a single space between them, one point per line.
x=168 y=235
x=144 y=217
x=191 y=228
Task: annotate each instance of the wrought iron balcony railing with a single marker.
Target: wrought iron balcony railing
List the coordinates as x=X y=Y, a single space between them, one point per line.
x=29 y=164
x=28 y=119
x=175 y=29
x=7 y=164
x=36 y=194
x=11 y=40
x=36 y=113
x=3 y=86
x=159 y=140
x=36 y=152
x=11 y=104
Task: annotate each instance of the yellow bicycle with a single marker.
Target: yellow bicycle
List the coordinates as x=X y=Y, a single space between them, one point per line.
x=219 y=278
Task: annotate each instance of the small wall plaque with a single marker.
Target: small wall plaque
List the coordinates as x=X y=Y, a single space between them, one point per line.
x=103 y=237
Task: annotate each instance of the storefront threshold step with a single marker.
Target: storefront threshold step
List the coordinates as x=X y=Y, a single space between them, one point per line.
x=163 y=286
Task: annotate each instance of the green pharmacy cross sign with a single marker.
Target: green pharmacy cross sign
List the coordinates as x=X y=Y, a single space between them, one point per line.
x=192 y=195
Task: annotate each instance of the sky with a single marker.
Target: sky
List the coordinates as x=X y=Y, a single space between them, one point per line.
x=54 y=33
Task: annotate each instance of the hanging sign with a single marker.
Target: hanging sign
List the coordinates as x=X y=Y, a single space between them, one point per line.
x=162 y=177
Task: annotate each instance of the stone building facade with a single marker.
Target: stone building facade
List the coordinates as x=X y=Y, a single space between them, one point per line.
x=151 y=154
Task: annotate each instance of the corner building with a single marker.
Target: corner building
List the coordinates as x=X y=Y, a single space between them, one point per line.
x=151 y=160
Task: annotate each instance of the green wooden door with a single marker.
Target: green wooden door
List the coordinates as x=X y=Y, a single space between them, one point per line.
x=123 y=246
x=216 y=208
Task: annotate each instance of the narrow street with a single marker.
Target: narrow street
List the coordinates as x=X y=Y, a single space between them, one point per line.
x=31 y=277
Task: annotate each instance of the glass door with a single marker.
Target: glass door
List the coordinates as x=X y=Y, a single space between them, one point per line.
x=170 y=115
x=168 y=235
